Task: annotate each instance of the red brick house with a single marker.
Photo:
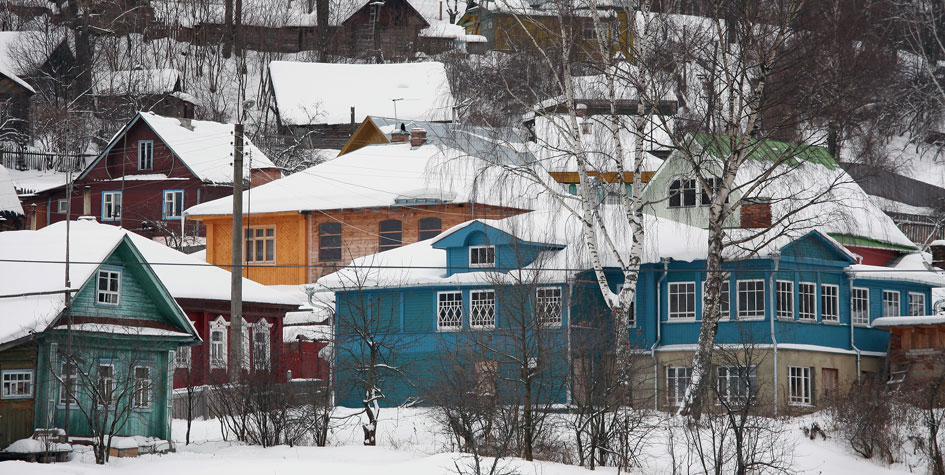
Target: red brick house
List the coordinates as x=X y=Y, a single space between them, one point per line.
x=151 y=170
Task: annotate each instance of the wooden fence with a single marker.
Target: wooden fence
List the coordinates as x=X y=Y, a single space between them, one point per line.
x=44 y=161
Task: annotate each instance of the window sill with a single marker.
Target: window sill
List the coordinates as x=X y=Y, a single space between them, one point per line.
x=681 y=320
x=833 y=323
x=862 y=325
x=482 y=327
x=142 y=410
x=449 y=330
x=749 y=319
x=804 y=320
x=804 y=405
x=16 y=398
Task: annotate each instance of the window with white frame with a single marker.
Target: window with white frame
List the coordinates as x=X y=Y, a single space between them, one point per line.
x=751 y=298
x=481 y=256
x=829 y=303
x=145 y=154
x=677 y=382
x=218 y=343
x=182 y=358
x=105 y=387
x=109 y=287
x=69 y=383
x=16 y=384
x=860 y=306
x=807 y=301
x=245 y=362
x=891 y=306
x=682 y=300
x=799 y=386
x=261 y=344
x=449 y=310
x=111 y=205
x=785 y=298
x=62 y=206
x=261 y=245
x=726 y=298
x=482 y=309
x=916 y=304
x=736 y=384
x=548 y=306
x=142 y=395
x=682 y=193
x=173 y=204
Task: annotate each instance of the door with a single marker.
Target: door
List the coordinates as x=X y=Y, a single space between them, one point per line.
x=16 y=421
x=829 y=377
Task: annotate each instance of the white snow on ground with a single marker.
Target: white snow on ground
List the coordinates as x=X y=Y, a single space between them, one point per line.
x=410 y=443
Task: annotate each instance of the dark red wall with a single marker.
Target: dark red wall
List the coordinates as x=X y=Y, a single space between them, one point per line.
x=873 y=256
x=302 y=359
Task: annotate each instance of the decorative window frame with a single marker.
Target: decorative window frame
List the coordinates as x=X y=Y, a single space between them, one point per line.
x=262 y=326
x=164 y=202
x=449 y=328
x=150 y=158
x=481 y=304
x=550 y=318
x=182 y=358
x=149 y=389
x=109 y=271
x=222 y=325
x=116 y=210
x=12 y=384
x=486 y=248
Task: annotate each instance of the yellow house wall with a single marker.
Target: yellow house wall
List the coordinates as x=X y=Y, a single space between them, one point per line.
x=291 y=247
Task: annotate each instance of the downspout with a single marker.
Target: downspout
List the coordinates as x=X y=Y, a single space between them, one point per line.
x=569 y=382
x=852 y=339
x=310 y=293
x=656 y=364
x=774 y=315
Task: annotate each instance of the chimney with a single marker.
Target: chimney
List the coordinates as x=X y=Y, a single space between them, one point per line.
x=261 y=176
x=399 y=136
x=417 y=137
x=756 y=213
x=86 y=201
x=581 y=110
x=938 y=253
x=33 y=217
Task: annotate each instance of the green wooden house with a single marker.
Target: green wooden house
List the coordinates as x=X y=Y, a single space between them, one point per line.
x=106 y=360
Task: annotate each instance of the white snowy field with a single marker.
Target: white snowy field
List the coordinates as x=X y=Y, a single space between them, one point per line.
x=409 y=444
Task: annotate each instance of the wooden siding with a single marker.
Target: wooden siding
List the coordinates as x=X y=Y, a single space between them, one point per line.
x=134 y=301
x=16 y=415
x=291 y=246
x=609 y=177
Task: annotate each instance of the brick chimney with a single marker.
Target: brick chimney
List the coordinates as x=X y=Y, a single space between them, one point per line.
x=581 y=110
x=756 y=213
x=399 y=136
x=417 y=137
x=938 y=253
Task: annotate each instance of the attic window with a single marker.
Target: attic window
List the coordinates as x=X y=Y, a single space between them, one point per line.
x=682 y=193
x=145 y=154
x=109 y=285
x=481 y=256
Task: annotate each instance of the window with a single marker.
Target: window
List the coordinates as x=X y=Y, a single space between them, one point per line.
x=548 y=306
x=751 y=299
x=429 y=228
x=677 y=381
x=390 y=235
x=69 y=385
x=261 y=348
x=329 y=241
x=799 y=385
x=482 y=309
x=785 y=297
x=111 y=205
x=105 y=389
x=891 y=304
x=142 y=387
x=481 y=256
x=173 y=204
x=736 y=384
x=726 y=297
x=109 y=285
x=62 y=206
x=182 y=358
x=682 y=193
x=145 y=154
x=829 y=303
x=16 y=384
x=218 y=337
x=589 y=31
x=807 y=300
x=261 y=245
x=715 y=184
x=449 y=310
x=682 y=300
x=916 y=304
x=860 y=306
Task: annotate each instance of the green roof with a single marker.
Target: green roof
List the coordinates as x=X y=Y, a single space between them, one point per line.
x=851 y=240
x=769 y=150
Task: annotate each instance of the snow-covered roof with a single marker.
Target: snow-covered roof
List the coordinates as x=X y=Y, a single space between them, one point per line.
x=9 y=201
x=912 y=267
x=443 y=29
x=205 y=147
x=903 y=321
x=554 y=150
x=10 y=41
x=28 y=182
x=447 y=169
x=273 y=13
x=324 y=93
x=136 y=81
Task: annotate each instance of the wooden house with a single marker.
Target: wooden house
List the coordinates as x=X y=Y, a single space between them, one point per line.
x=151 y=170
x=107 y=350
x=120 y=95
x=387 y=29
x=15 y=96
x=374 y=197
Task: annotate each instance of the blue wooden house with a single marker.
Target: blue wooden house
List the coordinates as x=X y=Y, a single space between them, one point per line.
x=803 y=304
x=106 y=358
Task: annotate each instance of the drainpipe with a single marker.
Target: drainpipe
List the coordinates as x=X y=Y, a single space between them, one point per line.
x=656 y=364
x=772 y=280
x=852 y=340
x=310 y=293
x=568 y=394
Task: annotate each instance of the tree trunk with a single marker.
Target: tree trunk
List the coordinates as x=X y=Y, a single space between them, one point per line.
x=227 y=28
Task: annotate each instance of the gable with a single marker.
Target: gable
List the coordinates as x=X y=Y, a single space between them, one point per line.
x=367 y=134
x=815 y=245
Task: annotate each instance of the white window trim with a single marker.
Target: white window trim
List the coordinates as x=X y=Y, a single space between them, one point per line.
x=262 y=325
x=99 y=292
x=220 y=324
x=752 y=384
x=898 y=295
x=116 y=206
x=559 y=317
x=852 y=299
x=924 y=311
x=98 y=379
x=63 y=392
x=672 y=399
x=172 y=193
x=487 y=264
x=801 y=315
x=806 y=399
x=738 y=301
x=17 y=372
x=472 y=307
x=685 y=315
x=182 y=358
x=150 y=159
x=835 y=318
x=790 y=295
x=441 y=328
x=62 y=206
x=149 y=388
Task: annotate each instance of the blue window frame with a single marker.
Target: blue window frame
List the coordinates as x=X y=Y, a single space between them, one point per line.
x=111 y=205
x=173 y=204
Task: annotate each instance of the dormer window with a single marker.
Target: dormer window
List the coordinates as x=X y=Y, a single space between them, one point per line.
x=109 y=287
x=481 y=256
x=145 y=154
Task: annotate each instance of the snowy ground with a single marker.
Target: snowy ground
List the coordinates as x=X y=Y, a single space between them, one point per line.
x=410 y=444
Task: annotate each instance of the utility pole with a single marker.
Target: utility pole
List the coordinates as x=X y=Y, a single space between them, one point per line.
x=68 y=305
x=236 y=271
